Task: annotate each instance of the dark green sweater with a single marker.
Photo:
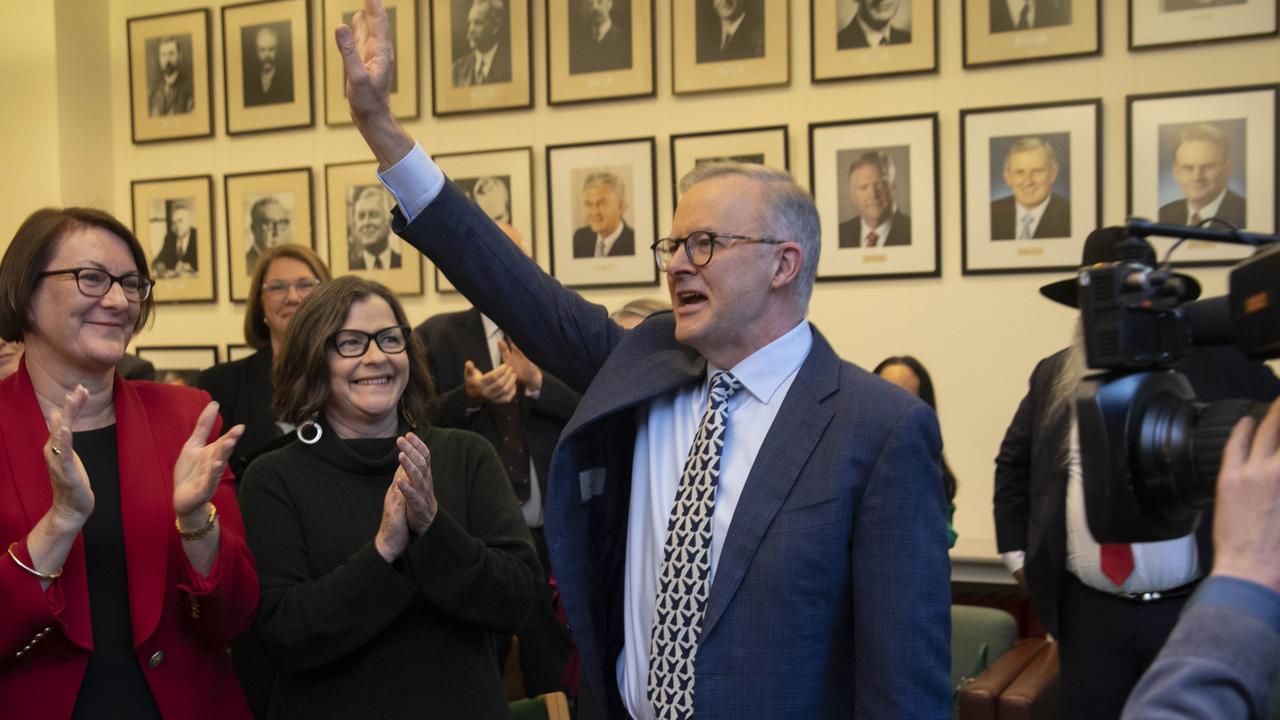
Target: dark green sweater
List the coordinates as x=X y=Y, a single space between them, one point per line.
x=354 y=636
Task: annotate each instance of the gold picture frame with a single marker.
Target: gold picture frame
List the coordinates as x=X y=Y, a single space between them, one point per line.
x=749 y=48
x=584 y=66
x=842 y=46
x=266 y=66
x=170 y=76
x=360 y=238
x=1061 y=29
x=467 y=79
x=264 y=209
x=173 y=220
x=402 y=17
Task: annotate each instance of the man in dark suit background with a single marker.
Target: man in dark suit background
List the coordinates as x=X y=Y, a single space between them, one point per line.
x=1109 y=606
x=1033 y=211
x=268 y=64
x=729 y=30
x=872 y=183
x=486 y=385
x=598 y=39
x=1202 y=166
x=179 y=256
x=171 y=91
x=369 y=217
x=606 y=233
x=1008 y=15
x=870 y=26
x=488 y=58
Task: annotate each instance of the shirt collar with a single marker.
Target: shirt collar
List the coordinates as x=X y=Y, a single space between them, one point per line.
x=612 y=237
x=385 y=256
x=763 y=371
x=604 y=29
x=1015 y=11
x=1209 y=210
x=490 y=327
x=485 y=59
x=1036 y=212
x=882 y=230
x=728 y=29
x=873 y=35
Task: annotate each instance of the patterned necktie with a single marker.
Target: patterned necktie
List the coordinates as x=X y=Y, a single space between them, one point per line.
x=1195 y=220
x=684 y=579
x=872 y=238
x=599 y=246
x=1024 y=17
x=1025 y=232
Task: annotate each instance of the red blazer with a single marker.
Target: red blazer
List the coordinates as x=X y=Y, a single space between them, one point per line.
x=181 y=621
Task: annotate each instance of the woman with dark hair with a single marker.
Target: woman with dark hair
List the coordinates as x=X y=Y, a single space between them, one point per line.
x=127 y=571
x=908 y=373
x=282 y=278
x=385 y=566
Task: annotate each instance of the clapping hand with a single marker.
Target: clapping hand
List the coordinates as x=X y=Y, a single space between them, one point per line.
x=527 y=373
x=496 y=386
x=413 y=480
x=72 y=495
x=199 y=468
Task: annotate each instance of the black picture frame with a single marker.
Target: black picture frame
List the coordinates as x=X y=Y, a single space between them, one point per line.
x=178 y=364
x=749 y=140
x=1198 y=28
x=978 y=45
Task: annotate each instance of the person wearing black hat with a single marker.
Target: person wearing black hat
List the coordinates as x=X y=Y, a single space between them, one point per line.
x=1110 y=606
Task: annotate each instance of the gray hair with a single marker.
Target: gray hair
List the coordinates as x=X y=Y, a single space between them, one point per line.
x=492 y=8
x=789 y=208
x=1027 y=144
x=607 y=179
x=1203 y=132
x=881 y=162
x=255 y=212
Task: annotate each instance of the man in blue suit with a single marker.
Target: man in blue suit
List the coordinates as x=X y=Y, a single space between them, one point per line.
x=724 y=467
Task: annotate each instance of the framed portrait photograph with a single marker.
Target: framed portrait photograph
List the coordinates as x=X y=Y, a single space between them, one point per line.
x=851 y=39
x=1162 y=23
x=482 y=55
x=265 y=209
x=762 y=146
x=729 y=44
x=266 y=65
x=875 y=183
x=1010 y=31
x=599 y=50
x=1207 y=158
x=402 y=23
x=170 y=76
x=604 y=213
x=1031 y=186
x=499 y=182
x=178 y=364
x=360 y=237
x=173 y=219
x=236 y=351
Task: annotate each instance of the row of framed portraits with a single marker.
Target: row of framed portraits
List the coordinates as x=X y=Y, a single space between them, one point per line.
x=482 y=50
x=181 y=364
x=1031 y=191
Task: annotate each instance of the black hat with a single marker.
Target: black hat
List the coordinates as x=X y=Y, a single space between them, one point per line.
x=1103 y=246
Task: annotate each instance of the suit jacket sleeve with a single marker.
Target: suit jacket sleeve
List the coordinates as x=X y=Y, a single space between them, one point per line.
x=1012 y=499
x=901 y=578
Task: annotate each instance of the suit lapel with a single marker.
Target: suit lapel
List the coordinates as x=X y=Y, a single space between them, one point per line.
x=637 y=373
x=795 y=432
x=146 y=506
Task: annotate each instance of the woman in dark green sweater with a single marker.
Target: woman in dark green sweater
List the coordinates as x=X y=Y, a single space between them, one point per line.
x=388 y=550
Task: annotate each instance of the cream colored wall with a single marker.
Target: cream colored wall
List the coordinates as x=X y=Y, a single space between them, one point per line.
x=980 y=336
x=28 y=123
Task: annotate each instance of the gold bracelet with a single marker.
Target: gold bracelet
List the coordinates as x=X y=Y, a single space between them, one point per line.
x=31 y=570
x=195 y=535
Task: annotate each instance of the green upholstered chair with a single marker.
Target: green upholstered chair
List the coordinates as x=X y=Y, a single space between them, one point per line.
x=552 y=706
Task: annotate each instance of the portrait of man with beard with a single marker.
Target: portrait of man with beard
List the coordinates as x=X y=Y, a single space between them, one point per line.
x=169 y=78
x=486 y=56
x=268 y=63
x=369 y=242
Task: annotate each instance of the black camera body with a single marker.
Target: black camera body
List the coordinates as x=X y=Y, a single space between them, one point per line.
x=1150 y=451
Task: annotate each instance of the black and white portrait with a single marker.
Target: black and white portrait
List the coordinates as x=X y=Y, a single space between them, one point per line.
x=174 y=242
x=874 y=212
x=270 y=220
x=1179 y=5
x=599 y=36
x=169 y=87
x=1010 y=15
x=876 y=23
x=729 y=30
x=481 y=42
x=267 y=57
x=491 y=193
x=604 y=207
x=370 y=244
x=750 y=159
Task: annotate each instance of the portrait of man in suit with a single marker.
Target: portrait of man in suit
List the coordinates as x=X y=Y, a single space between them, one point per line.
x=179 y=255
x=369 y=223
x=268 y=63
x=1178 y=5
x=1010 y=15
x=169 y=77
x=871 y=26
x=729 y=30
x=872 y=183
x=486 y=58
x=269 y=226
x=1201 y=167
x=1032 y=211
x=599 y=36
x=606 y=233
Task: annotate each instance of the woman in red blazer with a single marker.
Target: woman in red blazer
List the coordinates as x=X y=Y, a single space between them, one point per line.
x=127 y=571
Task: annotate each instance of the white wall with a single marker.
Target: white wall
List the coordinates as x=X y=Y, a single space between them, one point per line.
x=979 y=336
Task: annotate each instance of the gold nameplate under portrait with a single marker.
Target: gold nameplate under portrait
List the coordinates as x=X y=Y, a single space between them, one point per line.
x=729 y=44
x=857 y=39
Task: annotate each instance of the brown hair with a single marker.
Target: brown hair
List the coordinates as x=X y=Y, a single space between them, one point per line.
x=256 y=333
x=29 y=254
x=300 y=375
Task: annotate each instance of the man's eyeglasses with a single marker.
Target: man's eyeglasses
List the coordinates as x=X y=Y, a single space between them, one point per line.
x=699 y=246
x=96 y=283
x=281 y=288
x=355 y=343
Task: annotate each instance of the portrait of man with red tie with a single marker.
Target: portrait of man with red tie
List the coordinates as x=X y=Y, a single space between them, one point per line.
x=872 y=185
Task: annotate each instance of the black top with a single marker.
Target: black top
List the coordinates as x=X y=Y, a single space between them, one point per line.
x=113 y=685
x=243 y=391
x=354 y=636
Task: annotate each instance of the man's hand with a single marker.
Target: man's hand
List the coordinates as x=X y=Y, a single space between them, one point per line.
x=367 y=60
x=1246 y=518
x=527 y=373
x=496 y=386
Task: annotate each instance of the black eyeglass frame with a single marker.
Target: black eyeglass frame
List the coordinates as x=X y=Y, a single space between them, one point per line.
x=145 y=284
x=369 y=338
x=712 y=237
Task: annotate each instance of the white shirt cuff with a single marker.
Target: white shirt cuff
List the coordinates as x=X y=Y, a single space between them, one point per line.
x=1014 y=560
x=415 y=180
